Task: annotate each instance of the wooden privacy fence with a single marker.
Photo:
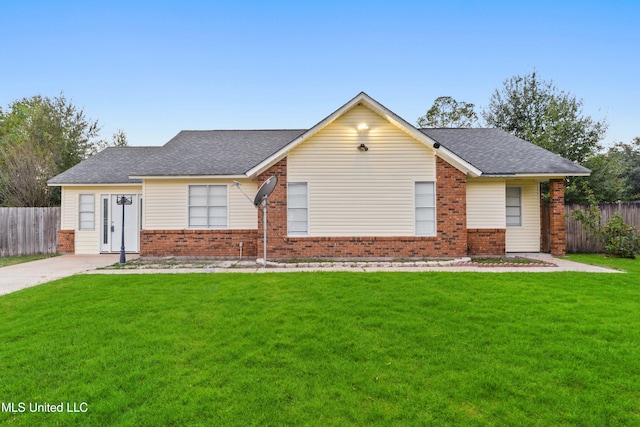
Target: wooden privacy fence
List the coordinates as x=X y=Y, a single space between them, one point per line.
x=579 y=241
x=28 y=231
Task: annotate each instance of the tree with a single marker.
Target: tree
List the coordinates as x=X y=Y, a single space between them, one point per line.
x=627 y=157
x=24 y=172
x=447 y=112
x=41 y=137
x=606 y=182
x=118 y=139
x=538 y=112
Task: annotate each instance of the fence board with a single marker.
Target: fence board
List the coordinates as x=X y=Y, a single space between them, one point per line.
x=28 y=231
x=579 y=241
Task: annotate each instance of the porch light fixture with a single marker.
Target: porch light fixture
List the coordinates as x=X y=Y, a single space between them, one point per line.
x=363 y=147
x=363 y=127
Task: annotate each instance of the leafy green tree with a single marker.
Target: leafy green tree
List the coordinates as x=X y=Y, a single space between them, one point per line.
x=39 y=138
x=539 y=112
x=607 y=182
x=118 y=139
x=446 y=112
x=628 y=157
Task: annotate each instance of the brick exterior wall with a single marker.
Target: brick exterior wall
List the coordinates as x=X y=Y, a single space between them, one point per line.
x=451 y=238
x=210 y=243
x=486 y=241
x=557 y=220
x=66 y=241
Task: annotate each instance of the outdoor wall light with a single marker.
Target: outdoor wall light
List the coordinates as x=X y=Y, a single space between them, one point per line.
x=363 y=127
x=363 y=147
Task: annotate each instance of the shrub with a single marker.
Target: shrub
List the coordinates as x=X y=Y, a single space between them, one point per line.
x=618 y=238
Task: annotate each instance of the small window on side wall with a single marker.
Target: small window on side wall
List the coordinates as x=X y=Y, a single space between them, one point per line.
x=297 y=209
x=425 y=209
x=86 y=212
x=514 y=206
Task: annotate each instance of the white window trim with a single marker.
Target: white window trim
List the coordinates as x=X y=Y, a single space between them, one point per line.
x=435 y=208
x=521 y=206
x=92 y=212
x=188 y=204
x=298 y=234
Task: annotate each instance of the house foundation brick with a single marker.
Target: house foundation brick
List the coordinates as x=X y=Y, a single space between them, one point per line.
x=66 y=241
x=486 y=241
x=361 y=247
x=557 y=218
x=206 y=243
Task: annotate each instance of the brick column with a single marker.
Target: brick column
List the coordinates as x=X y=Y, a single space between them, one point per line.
x=557 y=221
x=66 y=241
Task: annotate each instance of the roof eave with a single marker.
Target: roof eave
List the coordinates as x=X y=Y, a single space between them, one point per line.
x=236 y=176
x=94 y=184
x=546 y=175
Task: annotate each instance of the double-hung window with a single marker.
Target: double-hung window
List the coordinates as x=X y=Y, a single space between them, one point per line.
x=208 y=206
x=297 y=209
x=425 y=209
x=514 y=206
x=86 y=212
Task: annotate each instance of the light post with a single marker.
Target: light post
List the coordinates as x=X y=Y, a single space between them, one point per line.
x=123 y=201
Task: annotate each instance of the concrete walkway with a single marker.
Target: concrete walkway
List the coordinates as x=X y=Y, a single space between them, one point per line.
x=20 y=276
x=25 y=275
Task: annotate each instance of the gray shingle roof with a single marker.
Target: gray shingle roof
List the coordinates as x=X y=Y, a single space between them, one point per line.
x=234 y=152
x=214 y=152
x=496 y=152
x=113 y=165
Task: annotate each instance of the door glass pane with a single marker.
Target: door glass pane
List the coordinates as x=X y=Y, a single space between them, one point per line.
x=105 y=221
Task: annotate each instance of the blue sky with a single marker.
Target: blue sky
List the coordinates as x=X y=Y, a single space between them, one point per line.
x=153 y=68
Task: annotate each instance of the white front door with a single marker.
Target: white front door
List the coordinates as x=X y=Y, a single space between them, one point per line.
x=111 y=230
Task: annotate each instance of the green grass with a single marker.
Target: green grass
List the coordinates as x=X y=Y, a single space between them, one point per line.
x=332 y=349
x=18 y=259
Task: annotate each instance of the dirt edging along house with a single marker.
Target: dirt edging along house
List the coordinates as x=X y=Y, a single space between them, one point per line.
x=363 y=182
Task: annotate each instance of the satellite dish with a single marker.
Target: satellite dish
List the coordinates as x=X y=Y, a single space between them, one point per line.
x=265 y=190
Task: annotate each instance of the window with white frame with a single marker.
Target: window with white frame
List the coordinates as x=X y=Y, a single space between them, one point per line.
x=208 y=206
x=86 y=212
x=425 y=209
x=297 y=209
x=514 y=206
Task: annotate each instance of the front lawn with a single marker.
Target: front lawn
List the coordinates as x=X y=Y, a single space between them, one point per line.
x=326 y=349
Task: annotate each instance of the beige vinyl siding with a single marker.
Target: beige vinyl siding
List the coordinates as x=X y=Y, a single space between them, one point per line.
x=526 y=238
x=361 y=193
x=166 y=203
x=87 y=241
x=68 y=207
x=486 y=203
